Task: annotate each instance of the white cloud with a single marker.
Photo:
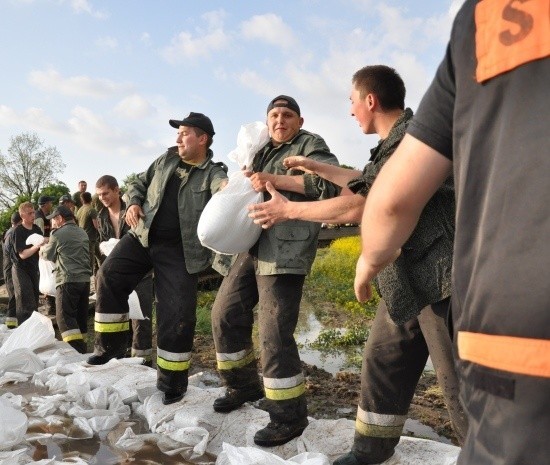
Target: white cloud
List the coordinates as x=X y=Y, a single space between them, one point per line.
x=145 y=37
x=187 y=45
x=84 y=6
x=269 y=28
x=251 y=80
x=76 y=86
x=135 y=107
x=107 y=42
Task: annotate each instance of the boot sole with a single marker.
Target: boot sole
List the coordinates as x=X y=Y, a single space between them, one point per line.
x=277 y=442
x=230 y=408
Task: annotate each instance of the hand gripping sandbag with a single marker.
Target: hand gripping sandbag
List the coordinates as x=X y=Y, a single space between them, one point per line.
x=46 y=284
x=224 y=225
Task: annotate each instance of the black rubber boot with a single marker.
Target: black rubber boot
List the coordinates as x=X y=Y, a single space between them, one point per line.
x=275 y=434
x=234 y=398
x=101 y=359
x=171 y=397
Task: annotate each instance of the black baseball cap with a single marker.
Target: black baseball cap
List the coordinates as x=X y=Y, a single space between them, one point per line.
x=289 y=102
x=66 y=198
x=44 y=199
x=63 y=211
x=195 y=120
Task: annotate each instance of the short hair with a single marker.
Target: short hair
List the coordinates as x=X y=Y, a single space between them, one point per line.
x=86 y=197
x=382 y=81
x=199 y=132
x=25 y=206
x=108 y=181
x=82 y=182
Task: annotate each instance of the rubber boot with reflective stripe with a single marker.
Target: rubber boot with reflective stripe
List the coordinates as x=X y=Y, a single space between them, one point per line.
x=112 y=333
x=286 y=401
x=173 y=370
x=376 y=436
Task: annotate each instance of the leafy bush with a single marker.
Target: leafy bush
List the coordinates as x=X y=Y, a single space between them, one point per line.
x=205 y=300
x=332 y=276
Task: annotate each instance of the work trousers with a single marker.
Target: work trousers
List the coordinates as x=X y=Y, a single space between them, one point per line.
x=71 y=313
x=393 y=361
x=25 y=285
x=509 y=416
x=176 y=297
x=11 y=314
x=232 y=319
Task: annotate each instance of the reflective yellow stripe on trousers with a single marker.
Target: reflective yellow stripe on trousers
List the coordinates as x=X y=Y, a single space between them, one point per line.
x=234 y=360
x=173 y=361
x=111 y=322
x=284 y=388
x=520 y=355
x=71 y=335
x=378 y=425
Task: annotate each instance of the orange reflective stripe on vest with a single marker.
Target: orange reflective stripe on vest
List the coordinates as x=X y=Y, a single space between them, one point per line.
x=510 y=33
x=514 y=354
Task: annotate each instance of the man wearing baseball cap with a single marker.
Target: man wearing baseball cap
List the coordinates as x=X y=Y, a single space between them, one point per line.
x=272 y=274
x=163 y=209
x=67 y=201
x=68 y=249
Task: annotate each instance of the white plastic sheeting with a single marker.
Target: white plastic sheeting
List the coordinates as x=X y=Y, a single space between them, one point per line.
x=83 y=401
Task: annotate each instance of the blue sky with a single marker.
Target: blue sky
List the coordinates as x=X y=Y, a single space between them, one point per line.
x=100 y=79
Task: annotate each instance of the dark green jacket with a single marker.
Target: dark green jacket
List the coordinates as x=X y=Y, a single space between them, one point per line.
x=290 y=246
x=68 y=248
x=421 y=275
x=147 y=190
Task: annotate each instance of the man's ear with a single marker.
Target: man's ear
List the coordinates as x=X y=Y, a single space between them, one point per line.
x=371 y=101
x=301 y=121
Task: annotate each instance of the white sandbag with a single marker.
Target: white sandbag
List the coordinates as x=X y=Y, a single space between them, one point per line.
x=232 y=455
x=21 y=360
x=37 y=331
x=14 y=457
x=128 y=385
x=251 y=138
x=135 y=307
x=106 y=247
x=35 y=239
x=224 y=225
x=13 y=425
x=46 y=284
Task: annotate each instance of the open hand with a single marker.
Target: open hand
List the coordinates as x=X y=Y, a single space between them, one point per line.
x=273 y=211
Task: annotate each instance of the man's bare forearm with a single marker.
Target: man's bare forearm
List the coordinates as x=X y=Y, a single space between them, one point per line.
x=338 y=210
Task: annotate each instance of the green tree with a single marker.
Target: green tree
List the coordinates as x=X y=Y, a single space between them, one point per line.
x=127 y=180
x=27 y=168
x=55 y=190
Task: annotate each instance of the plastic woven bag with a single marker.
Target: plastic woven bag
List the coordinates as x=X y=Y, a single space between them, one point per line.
x=46 y=285
x=13 y=425
x=224 y=225
x=32 y=334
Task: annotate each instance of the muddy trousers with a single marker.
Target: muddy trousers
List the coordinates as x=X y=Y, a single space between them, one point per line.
x=71 y=313
x=176 y=296
x=25 y=285
x=232 y=319
x=393 y=361
x=11 y=314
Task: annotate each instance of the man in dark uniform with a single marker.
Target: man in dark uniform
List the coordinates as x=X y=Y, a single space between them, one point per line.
x=7 y=265
x=163 y=210
x=45 y=204
x=112 y=225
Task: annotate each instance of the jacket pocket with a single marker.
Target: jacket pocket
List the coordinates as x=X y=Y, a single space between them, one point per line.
x=291 y=247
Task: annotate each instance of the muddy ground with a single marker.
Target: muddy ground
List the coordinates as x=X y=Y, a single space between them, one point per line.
x=333 y=396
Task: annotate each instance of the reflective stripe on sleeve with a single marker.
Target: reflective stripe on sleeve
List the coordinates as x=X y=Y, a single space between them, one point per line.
x=111 y=322
x=284 y=388
x=71 y=335
x=173 y=361
x=379 y=425
x=234 y=360
x=520 y=355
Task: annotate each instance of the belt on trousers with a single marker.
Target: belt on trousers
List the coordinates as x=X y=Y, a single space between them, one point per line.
x=519 y=355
